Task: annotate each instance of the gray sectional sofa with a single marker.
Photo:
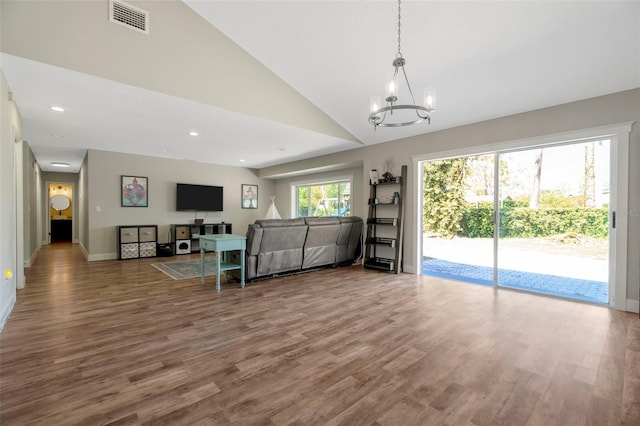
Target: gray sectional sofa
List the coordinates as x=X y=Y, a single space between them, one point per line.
x=276 y=246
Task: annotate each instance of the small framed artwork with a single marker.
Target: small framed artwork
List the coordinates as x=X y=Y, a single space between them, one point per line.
x=249 y=196
x=134 y=191
x=374 y=178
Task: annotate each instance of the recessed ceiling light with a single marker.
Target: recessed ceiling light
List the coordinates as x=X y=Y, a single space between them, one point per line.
x=57 y=164
x=57 y=108
x=242 y=160
x=193 y=133
x=57 y=135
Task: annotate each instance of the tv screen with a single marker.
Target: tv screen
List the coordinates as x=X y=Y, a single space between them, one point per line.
x=202 y=198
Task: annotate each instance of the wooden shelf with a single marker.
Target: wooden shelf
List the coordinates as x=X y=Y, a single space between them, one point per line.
x=380 y=263
x=389 y=242
x=392 y=221
x=394 y=202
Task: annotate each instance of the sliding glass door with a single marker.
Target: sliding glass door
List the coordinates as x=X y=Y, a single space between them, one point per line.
x=458 y=225
x=530 y=219
x=554 y=220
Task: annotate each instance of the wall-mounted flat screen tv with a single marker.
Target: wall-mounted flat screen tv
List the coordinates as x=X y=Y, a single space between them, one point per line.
x=203 y=198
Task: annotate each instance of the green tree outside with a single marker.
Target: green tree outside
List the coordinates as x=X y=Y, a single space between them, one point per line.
x=444 y=202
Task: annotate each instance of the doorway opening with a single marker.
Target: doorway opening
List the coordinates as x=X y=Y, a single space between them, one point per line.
x=60 y=212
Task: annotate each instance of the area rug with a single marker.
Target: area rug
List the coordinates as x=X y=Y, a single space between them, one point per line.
x=186 y=269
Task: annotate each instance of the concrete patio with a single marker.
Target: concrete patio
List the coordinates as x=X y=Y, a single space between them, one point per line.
x=576 y=271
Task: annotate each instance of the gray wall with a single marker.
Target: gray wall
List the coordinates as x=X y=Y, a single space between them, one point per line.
x=9 y=119
x=83 y=206
x=590 y=113
x=103 y=193
x=31 y=182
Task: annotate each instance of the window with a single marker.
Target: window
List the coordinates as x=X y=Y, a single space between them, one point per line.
x=323 y=199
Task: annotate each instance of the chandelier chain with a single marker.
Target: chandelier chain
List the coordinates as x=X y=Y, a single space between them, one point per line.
x=399 y=55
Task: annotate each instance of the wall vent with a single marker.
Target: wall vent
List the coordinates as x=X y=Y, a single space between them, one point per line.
x=129 y=16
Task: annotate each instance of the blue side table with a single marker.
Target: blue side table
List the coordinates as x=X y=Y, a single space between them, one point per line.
x=220 y=243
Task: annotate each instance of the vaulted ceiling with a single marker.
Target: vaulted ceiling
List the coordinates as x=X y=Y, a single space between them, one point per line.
x=268 y=82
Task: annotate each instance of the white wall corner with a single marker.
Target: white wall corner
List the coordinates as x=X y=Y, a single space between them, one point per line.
x=84 y=251
x=633 y=306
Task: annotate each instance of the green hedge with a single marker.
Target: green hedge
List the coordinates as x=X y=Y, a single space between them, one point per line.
x=520 y=222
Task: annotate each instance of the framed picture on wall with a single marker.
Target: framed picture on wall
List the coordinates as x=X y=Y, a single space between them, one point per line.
x=249 y=196
x=134 y=191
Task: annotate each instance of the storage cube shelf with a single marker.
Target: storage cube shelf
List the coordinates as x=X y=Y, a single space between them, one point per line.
x=136 y=241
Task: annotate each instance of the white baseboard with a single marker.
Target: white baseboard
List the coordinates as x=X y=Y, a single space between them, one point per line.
x=96 y=257
x=633 y=306
x=32 y=259
x=104 y=256
x=4 y=316
x=409 y=269
x=84 y=251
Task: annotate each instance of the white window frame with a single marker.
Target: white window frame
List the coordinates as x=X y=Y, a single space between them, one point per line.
x=310 y=183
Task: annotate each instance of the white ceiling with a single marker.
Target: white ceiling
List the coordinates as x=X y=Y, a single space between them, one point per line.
x=487 y=59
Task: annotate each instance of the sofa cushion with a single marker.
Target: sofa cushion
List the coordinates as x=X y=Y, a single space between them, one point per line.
x=348 y=238
x=320 y=245
x=281 y=246
x=270 y=223
x=254 y=238
x=326 y=220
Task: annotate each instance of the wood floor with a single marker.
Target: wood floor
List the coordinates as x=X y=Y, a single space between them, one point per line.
x=119 y=342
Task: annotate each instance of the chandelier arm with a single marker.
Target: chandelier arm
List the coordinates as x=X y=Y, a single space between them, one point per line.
x=381 y=121
x=425 y=117
x=375 y=118
x=406 y=79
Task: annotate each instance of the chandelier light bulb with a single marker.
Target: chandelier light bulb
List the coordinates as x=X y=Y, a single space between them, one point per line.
x=391 y=93
x=429 y=101
x=430 y=98
x=375 y=103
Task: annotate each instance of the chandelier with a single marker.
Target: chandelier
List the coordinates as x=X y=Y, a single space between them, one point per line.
x=379 y=116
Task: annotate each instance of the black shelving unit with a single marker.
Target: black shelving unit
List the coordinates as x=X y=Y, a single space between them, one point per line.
x=383 y=246
x=186 y=237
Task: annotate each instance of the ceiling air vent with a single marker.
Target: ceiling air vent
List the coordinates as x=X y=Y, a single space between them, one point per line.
x=129 y=16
